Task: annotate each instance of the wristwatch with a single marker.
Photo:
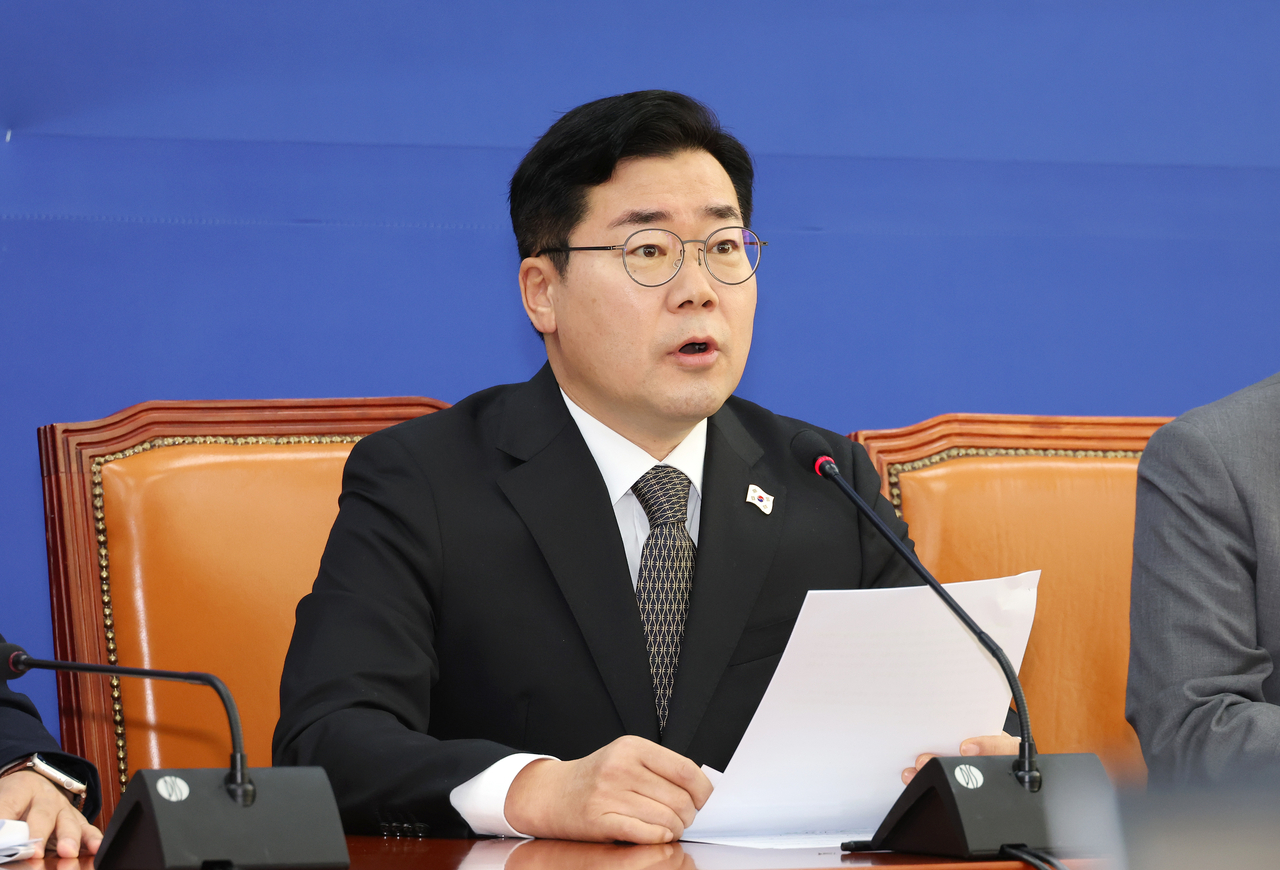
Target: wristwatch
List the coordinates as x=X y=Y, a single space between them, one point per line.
x=75 y=790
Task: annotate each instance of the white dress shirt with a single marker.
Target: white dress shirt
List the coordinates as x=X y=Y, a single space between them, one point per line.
x=481 y=800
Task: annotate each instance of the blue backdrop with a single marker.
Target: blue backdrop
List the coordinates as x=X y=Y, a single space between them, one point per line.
x=1051 y=207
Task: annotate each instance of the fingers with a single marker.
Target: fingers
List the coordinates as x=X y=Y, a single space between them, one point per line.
x=72 y=834
x=649 y=787
x=632 y=790
x=656 y=821
x=667 y=784
x=49 y=815
x=680 y=771
x=629 y=829
x=66 y=833
x=91 y=838
x=41 y=818
x=595 y=798
x=991 y=744
x=921 y=761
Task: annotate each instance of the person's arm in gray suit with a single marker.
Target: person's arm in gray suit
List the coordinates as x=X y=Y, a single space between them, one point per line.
x=1196 y=663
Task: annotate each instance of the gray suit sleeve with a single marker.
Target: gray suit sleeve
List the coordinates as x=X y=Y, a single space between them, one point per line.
x=1196 y=664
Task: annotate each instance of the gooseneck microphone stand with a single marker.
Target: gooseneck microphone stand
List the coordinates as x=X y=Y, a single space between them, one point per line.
x=239 y=786
x=1025 y=769
x=981 y=806
x=211 y=819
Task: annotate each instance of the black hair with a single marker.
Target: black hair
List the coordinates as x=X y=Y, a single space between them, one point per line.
x=548 y=193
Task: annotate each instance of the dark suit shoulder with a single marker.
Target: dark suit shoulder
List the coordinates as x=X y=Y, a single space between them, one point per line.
x=439 y=428
x=773 y=432
x=512 y=421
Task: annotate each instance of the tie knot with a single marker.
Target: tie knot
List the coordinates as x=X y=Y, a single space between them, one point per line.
x=663 y=492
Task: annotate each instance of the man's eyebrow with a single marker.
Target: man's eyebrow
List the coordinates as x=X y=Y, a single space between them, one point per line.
x=640 y=217
x=727 y=212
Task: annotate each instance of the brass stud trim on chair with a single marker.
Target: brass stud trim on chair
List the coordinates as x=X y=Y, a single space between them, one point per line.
x=895 y=469
x=104 y=567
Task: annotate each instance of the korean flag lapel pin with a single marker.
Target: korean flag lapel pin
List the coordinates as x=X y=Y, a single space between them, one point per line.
x=760 y=498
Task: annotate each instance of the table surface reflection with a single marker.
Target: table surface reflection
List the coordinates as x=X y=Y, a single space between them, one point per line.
x=378 y=853
x=374 y=853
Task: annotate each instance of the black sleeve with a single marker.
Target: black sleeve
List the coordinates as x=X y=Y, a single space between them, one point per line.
x=22 y=733
x=882 y=566
x=355 y=696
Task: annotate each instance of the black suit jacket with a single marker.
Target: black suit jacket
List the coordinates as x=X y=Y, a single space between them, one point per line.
x=474 y=600
x=22 y=733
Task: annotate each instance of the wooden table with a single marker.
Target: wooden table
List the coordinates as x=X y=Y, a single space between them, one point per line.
x=377 y=853
x=374 y=853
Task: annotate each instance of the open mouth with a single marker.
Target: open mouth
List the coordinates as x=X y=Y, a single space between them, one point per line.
x=695 y=347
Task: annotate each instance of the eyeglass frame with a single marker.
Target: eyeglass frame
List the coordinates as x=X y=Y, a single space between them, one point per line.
x=683 y=243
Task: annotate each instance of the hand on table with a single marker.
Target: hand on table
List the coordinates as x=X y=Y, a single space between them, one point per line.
x=632 y=790
x=992 y=744
x=29 y=797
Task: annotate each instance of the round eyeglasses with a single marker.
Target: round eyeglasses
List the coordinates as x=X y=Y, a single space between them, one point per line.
x=652 y=257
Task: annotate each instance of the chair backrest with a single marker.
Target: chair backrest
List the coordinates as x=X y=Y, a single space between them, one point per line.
x=989 y=495
x=181 y=536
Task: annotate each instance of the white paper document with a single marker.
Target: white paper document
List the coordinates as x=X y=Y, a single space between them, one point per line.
x=870 y=679
x=15 y=841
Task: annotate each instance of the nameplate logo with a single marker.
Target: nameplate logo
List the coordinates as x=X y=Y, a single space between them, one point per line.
x=172 y=788
x=969 y=776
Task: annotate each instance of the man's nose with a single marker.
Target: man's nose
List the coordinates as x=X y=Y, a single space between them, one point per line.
x=694 y=286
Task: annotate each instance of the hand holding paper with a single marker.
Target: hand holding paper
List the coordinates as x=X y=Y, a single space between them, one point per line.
x=869 y=680
x=631 y=789
x=990 y=744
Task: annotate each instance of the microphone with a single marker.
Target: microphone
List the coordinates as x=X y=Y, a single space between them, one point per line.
x=192 y=819
x=991 y=820
x=239 y=786
x=810 y=448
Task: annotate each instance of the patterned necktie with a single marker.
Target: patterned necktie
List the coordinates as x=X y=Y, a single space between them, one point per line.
x=666 y=573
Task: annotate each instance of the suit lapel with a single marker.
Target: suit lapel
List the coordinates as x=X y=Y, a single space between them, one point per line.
x=736 y=544
x=560 y=495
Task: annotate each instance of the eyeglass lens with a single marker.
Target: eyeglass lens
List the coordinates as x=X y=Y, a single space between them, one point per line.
x=652 y=257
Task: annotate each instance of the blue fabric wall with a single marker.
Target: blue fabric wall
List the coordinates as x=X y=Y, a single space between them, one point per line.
x=1054 y=207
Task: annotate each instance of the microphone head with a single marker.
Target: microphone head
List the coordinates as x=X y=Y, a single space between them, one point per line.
x=10 y=655
x=810 y=448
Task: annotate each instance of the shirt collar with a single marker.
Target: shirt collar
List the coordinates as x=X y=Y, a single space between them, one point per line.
x=622 y=463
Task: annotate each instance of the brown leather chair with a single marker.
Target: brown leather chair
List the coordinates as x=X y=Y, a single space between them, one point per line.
x=181 y=536
x=989 y=495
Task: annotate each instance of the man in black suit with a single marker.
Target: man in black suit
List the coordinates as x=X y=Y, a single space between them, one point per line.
x=27 y=751
x=507 y=585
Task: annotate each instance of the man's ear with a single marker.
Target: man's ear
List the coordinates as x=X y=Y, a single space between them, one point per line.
x=538 y=280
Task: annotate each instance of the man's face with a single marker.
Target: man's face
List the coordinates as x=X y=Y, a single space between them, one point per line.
x=650 y=359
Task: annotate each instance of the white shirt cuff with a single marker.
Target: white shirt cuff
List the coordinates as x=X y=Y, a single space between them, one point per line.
x=482 y=800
